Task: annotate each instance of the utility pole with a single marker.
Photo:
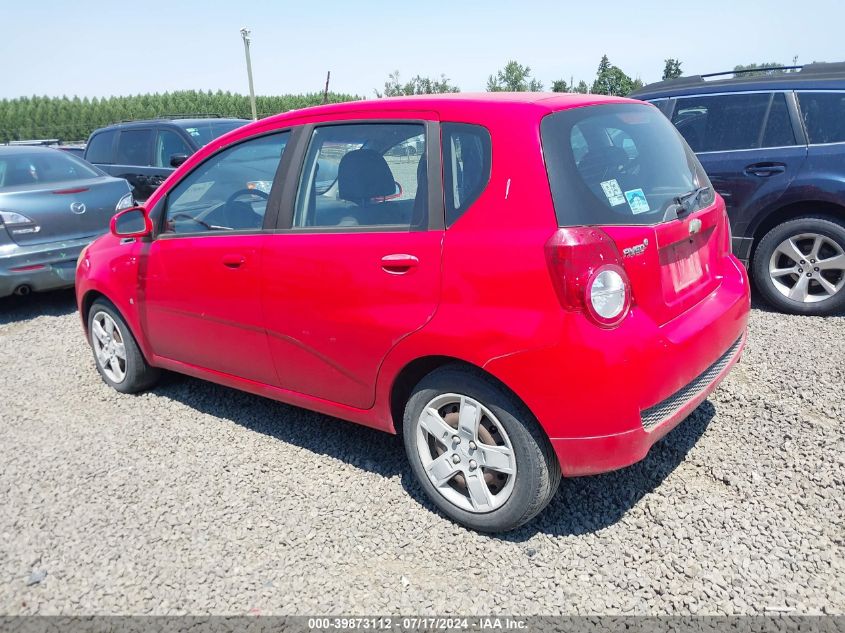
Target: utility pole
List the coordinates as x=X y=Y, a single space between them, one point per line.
x=245 y=35
x=326 y=91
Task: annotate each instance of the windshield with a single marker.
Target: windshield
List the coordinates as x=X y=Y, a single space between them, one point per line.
x=32 y=168
x=620 y=164
x=205 y=132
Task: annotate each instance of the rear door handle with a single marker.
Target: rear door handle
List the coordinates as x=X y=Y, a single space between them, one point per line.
x=764 y=170
x=233 y=261
x=398 y=263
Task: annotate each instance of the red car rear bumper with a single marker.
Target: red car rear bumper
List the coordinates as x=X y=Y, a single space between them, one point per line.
x=592 y=455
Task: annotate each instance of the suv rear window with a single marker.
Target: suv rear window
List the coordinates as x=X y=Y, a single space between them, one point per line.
x=99 y=148
x=618 y=164
x=824 y=116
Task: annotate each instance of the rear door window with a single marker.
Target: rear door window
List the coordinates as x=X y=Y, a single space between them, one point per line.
x=466 y=169
x=717 y=123
x=364 y=176
x=779 y=131
x=100 y=148
x=618 y=164
x=824 y=116
x=133 y=147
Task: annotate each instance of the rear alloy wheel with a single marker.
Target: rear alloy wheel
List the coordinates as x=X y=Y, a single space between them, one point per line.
x=119 y=361
x=799 y=266
x=478 y=454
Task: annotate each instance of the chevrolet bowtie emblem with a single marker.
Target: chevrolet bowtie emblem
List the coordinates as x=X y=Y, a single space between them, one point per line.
x=694 y=226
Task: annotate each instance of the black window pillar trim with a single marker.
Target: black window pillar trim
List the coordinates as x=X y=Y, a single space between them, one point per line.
x=792 y=106
x=285 y=180
x=434 y=170
x=288 y=178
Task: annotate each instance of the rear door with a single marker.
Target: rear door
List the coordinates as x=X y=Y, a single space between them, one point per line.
x=355 y=266
x=748 y=145
x=201 y=275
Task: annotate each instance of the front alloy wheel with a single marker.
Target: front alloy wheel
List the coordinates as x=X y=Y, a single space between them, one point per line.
x=109 y=350
x=119 y=360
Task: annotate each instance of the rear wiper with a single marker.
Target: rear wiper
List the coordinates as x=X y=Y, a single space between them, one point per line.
x=685 y=203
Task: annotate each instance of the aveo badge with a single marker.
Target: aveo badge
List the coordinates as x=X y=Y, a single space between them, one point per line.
x=77 y=207
x=639 y=249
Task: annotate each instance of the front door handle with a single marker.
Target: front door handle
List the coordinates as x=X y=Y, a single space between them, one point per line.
x=398 y=263
x=764 y=170
x=233 y=261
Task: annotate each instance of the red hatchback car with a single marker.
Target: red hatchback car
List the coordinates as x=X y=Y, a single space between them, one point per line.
x=543 y=287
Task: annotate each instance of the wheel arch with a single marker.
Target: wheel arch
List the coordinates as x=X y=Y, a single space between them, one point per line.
x=88 y=300
x=414 y=371
x=792 y=211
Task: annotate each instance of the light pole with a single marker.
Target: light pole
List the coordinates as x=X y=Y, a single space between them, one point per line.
x=245 y=35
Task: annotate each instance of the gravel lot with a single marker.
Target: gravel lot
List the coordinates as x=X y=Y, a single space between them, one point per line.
x=196 y=498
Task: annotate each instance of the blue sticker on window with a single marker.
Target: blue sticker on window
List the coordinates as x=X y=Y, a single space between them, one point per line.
x=637 y=202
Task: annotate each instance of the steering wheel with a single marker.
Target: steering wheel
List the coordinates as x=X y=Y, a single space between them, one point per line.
x=244 y=192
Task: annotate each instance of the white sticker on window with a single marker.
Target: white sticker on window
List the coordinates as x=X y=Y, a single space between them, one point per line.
x=613 y=192
x=195 y=192
x=636 y=200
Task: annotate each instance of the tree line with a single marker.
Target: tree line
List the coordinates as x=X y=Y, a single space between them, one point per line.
x=73 y=119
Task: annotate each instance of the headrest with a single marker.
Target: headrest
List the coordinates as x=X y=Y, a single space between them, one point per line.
x=364 y=174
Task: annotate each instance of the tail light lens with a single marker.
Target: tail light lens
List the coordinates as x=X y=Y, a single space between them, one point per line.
x=588 y=275
x=18 y=224
x=126 y=202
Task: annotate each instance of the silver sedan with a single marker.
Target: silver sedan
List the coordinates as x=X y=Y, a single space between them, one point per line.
x=52 y=204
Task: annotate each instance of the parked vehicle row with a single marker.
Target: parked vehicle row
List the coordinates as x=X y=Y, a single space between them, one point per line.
x=547 y=290
x=774 y=148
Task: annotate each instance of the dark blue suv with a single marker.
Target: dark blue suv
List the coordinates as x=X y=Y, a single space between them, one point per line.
x=774 y=148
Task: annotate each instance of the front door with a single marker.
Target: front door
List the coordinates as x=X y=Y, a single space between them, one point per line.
x=201 y=274
x=358 y=266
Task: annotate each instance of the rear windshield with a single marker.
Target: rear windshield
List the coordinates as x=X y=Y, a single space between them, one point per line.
x=619 y=164
x=18 y=169
x=204 y=133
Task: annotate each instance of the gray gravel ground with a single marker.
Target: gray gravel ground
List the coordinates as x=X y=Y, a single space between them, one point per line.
x=200 y=499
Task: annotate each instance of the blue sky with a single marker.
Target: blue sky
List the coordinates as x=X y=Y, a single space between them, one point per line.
x=92 y=48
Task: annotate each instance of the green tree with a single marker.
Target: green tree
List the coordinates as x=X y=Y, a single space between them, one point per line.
x=514 y=77
x=672 y=69
x=581 y=88
x=611 y=80
x=753 y=68
x=560 y=85
x=394 y=87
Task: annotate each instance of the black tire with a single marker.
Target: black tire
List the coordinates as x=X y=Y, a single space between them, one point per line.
x=827 y=227
x=139 y=375
x=537 y=469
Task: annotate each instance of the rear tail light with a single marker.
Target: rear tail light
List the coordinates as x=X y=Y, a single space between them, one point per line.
x=588 y=275
x=126 y=202
x=18 y=224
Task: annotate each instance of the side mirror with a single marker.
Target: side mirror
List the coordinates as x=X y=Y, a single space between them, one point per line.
x=177 y=159
x=132 y=222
